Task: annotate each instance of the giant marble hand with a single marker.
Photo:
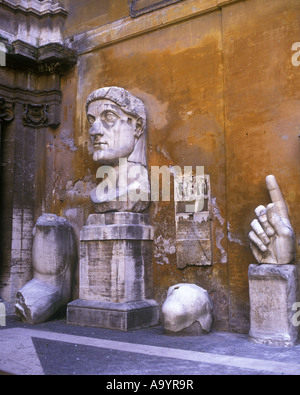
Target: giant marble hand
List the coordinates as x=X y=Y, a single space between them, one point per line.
x=272 y=238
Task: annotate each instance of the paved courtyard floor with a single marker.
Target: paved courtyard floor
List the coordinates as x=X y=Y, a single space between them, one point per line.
x=55 y=348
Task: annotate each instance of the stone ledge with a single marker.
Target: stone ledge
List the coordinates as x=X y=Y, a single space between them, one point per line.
x=272 y=271
x=122 y=218
x=119 y=316
x=117 y=232
x=117 y=226
x=129 y=27
x=50 y=58
x=99 y=305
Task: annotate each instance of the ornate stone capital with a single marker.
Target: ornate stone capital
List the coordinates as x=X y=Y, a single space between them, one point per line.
x=7 y=112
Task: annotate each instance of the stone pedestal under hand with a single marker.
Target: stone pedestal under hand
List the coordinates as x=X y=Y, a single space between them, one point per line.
x=273 y=292
x=115 y=273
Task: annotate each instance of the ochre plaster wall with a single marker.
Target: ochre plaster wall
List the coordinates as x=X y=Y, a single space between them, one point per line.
x=85 y=15
x=220 y=92
x=262 y=121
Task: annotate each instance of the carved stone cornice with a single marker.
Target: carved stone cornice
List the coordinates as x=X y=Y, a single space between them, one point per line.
x=40 y=109
x=34 y=36
x=7 y=112
x=35 y=7
x=50 y=58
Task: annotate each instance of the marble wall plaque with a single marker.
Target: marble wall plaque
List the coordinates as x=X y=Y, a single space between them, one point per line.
x=193 y=232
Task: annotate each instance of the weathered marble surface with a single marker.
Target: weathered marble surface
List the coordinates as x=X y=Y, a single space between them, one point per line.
x=53 y=257
x=116 y=273
x=273 y=292
x=116 y=258
x=118 y=133
x=272 y=238
x=187 y=310
x=119 y=316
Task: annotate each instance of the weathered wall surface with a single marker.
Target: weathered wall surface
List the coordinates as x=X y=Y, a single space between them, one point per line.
x=220 y=91
x=262 y=121
x=85 y=16
x=178 y=74
x=32 y=58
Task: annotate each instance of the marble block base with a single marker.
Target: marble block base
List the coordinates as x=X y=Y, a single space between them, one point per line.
x=273 y=291
x=116 y=273
x=120 y=316
x=116 y=262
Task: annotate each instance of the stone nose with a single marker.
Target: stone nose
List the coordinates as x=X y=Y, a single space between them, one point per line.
x=97 y=128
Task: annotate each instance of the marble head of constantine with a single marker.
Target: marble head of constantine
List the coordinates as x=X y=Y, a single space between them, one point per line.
x=117 y=126
x=118 y=132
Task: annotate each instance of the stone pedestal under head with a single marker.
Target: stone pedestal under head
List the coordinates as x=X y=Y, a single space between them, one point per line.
x=116 y=244
x=116 y=278
x=54 y=256
x=187 y=310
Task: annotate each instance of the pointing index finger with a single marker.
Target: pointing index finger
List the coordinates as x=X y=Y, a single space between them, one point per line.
x=277 y=198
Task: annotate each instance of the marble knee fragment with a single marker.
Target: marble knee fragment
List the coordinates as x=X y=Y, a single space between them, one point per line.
x=54 y=256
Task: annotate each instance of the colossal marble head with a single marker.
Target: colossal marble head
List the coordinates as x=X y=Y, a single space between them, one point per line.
x=117 y=126
x=118 y=133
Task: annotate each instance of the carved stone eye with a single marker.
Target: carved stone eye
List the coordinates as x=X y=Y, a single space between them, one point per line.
x=110 y=117
x=91 y=119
